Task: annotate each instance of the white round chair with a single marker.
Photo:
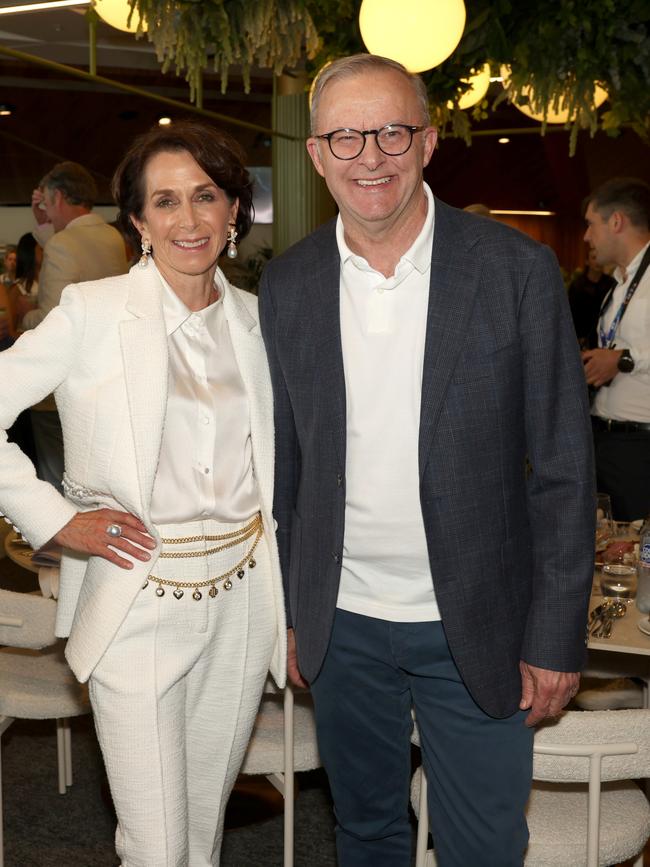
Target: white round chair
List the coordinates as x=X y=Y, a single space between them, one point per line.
x=35 y=680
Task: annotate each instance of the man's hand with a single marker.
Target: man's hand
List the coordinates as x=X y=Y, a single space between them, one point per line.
x=39 y=214
x=293 y=671
x=601 y=365
x=86 y=533
x=545 y=692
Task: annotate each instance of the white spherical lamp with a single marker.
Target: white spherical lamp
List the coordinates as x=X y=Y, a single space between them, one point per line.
x=479 y=83
x=559 y=114
x=419 y=34
x=116 y=13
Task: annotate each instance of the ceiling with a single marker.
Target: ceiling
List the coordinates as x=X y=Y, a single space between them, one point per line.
x=56 y=116
x=59 y=117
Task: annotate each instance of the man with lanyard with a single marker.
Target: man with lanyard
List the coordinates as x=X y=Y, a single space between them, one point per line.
x=618 y=229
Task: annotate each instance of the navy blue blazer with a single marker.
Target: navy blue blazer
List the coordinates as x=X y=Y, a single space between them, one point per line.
x=510 y=547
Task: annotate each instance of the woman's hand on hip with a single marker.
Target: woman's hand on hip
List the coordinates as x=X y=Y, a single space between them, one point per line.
x=101 y=531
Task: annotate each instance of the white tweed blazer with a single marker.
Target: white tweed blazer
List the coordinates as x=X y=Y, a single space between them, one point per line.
x=103 y=352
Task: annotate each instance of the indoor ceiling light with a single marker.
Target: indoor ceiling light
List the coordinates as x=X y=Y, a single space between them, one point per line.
x=504 y=140
x=524 y=213
x=418 y=34
x=5 y=110
x=164 y=120
x=116 y=13
x=38 y=7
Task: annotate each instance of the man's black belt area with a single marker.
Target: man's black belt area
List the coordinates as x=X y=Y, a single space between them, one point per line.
x=614 y=426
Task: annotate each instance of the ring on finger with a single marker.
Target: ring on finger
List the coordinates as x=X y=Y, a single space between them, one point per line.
x=114 y=530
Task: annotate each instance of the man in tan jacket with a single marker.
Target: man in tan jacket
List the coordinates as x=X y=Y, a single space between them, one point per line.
x=83 y=247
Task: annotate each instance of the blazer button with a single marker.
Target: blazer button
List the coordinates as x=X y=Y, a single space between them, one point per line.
x=339 y=479
x=336 y=557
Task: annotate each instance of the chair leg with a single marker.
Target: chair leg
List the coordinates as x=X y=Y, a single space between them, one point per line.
x=2 y=842
x=67 y=744
x=288 y=777
x=637 y=863
x=60 y=754
x=5 y=722
x=423 y=823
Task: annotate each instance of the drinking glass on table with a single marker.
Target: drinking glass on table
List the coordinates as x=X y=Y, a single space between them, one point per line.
x=604 y=522
x=619 y=559
x=618 y=577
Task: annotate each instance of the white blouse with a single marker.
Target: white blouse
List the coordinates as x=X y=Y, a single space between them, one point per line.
x=205 y=468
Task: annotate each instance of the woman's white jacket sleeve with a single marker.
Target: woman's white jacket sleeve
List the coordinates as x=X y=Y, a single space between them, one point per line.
x=33 y=368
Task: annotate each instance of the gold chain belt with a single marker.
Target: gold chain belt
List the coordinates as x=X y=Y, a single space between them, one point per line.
x=234 y=538
x=254 y=528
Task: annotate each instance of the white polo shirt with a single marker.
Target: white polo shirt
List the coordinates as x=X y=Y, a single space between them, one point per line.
x=385 y=568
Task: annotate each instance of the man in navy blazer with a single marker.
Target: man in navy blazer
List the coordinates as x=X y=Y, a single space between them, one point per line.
x=434 y=484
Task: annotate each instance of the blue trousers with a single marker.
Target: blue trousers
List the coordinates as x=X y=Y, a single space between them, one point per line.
x=479 y=768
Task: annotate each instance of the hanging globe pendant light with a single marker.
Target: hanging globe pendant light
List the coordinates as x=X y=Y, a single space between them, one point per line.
x=478 y=87
x=419 y=34
x=116 y=13
x=559 y=114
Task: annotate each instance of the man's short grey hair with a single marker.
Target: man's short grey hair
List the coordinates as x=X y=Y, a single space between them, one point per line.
x=74 y=181
x=357 y=64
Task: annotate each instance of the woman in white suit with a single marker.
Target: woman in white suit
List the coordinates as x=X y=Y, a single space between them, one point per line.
x=170 y=584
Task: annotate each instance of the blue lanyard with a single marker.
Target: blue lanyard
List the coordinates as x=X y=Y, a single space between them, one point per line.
x=606 y=340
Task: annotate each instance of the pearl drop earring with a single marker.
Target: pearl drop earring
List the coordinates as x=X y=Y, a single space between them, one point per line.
x=232 y=245
x=146 y=250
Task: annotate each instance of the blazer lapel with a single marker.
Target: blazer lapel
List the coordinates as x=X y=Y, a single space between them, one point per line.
x=325 y=285
x=452 y=294
x=145 y=359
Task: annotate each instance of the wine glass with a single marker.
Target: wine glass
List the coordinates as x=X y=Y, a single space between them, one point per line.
x=604 y=522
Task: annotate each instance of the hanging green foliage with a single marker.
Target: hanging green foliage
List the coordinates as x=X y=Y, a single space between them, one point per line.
x=557 y=50
x=194 y=35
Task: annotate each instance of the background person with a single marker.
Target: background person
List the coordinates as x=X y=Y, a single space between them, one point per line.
x=479 y=209
x=618 y=230
x=170 y=583
x=18 y=299
x=8 y=274
x=83 y=247
x=419 y=354
x=587 y=291
x=24 y=289
x=7 y=277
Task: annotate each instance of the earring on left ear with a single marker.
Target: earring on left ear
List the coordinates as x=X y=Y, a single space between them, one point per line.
x=232 y=242
x=146 y=250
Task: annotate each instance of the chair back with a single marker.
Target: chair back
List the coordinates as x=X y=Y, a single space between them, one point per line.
x=593 y=747
x=618 y=741
x=26 y=620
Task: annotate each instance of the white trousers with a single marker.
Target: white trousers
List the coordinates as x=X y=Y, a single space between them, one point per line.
x=175 y=697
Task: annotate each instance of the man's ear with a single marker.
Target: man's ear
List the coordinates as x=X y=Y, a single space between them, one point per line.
x=313 y=149
x=430 y=141
x=618 y=221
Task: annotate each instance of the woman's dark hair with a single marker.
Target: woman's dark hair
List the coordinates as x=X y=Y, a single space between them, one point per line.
x=219 y=155
x=26 y=260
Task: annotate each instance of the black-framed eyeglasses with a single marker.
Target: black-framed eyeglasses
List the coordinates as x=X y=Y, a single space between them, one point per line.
x=394 y=139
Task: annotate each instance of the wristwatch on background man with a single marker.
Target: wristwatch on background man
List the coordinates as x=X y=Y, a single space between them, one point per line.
x=625 y=362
